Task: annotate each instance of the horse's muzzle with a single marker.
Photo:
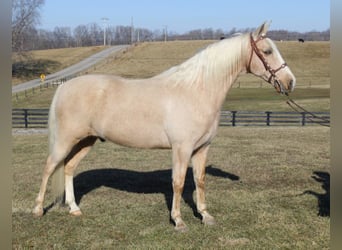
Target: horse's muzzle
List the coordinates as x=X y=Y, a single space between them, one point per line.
x=285 y=90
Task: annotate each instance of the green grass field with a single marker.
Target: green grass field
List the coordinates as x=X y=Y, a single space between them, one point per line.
x=265 y=186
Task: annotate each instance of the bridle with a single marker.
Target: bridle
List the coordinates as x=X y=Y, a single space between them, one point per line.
x=296 y=107
x=265 y=63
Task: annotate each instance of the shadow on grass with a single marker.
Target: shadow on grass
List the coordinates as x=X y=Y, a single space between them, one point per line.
x=323 y=199
x=158 y=181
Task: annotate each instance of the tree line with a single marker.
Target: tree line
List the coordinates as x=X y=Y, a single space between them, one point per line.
x=26 y=36
x=93 y=35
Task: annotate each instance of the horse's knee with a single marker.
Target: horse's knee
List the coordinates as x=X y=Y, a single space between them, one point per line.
x=200 y=183
x=177 y=186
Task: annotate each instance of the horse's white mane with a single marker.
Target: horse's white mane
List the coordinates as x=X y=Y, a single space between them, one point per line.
x=212 y=65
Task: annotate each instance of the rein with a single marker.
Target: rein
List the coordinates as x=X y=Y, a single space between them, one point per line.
x=265 y=63
x=299 y=109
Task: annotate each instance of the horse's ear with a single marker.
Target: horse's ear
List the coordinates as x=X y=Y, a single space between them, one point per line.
x=261 y=31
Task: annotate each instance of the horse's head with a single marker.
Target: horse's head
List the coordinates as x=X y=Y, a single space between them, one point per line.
x=266 y=62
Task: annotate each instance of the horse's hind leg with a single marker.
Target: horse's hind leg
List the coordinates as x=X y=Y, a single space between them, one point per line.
x=53 y=160
x=79 y=151
x=199 y=159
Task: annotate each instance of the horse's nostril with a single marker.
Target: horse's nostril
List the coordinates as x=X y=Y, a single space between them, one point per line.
x=291 y=85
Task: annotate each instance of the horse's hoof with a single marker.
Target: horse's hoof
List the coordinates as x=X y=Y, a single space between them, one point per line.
x=38 y=212
x=209 y=221
x=181 y=227
x=76 y=213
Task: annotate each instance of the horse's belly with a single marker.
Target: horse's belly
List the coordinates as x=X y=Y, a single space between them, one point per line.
x=138 y=140
x=133 y=135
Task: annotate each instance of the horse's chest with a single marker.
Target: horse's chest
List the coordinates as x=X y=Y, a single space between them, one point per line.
x=208 y=132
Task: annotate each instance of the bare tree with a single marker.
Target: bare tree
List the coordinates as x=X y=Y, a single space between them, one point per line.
x=25 y=16
x=45 y=39
x=95 y=32
x=62 y=37
x=82 y=36
x=123 y=34
x=143 y=35
x=110 y=35
x=208 y=33
x=195 y=34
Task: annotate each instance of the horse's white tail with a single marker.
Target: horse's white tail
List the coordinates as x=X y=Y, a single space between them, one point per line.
x=58 y=178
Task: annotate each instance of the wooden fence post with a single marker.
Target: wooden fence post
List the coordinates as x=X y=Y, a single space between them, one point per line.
x=233 y=118
x=303 y=118
x=26 y=118
x=268 y=118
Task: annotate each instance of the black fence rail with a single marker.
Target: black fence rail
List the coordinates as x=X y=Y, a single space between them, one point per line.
x=38 y=118
x=30 y=118
x=273 y=118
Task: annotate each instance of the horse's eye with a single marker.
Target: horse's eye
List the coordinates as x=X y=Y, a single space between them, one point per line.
x=268 y=52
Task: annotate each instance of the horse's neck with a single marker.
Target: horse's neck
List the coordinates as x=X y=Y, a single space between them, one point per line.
x=211 y=73
x=223 y=74
x=217 y=95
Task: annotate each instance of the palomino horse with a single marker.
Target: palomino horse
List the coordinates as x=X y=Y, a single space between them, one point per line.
x=177 y=109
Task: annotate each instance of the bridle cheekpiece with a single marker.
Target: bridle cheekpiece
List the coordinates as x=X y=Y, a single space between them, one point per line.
x=265 y=63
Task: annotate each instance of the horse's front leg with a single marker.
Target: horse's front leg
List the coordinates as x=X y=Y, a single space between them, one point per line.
x=180 y=159
x=199 y=159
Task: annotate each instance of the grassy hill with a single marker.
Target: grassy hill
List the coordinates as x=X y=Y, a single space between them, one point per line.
x=31 y=64
x=309 y=61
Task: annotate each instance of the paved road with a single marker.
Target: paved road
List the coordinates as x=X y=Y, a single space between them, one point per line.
x=74 y=69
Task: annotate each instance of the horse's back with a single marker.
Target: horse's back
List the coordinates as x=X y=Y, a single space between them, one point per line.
x=123 y=111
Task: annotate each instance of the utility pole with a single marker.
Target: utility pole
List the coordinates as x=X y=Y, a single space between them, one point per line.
x=165 y=33
x=104 y=20
x=132 y=31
